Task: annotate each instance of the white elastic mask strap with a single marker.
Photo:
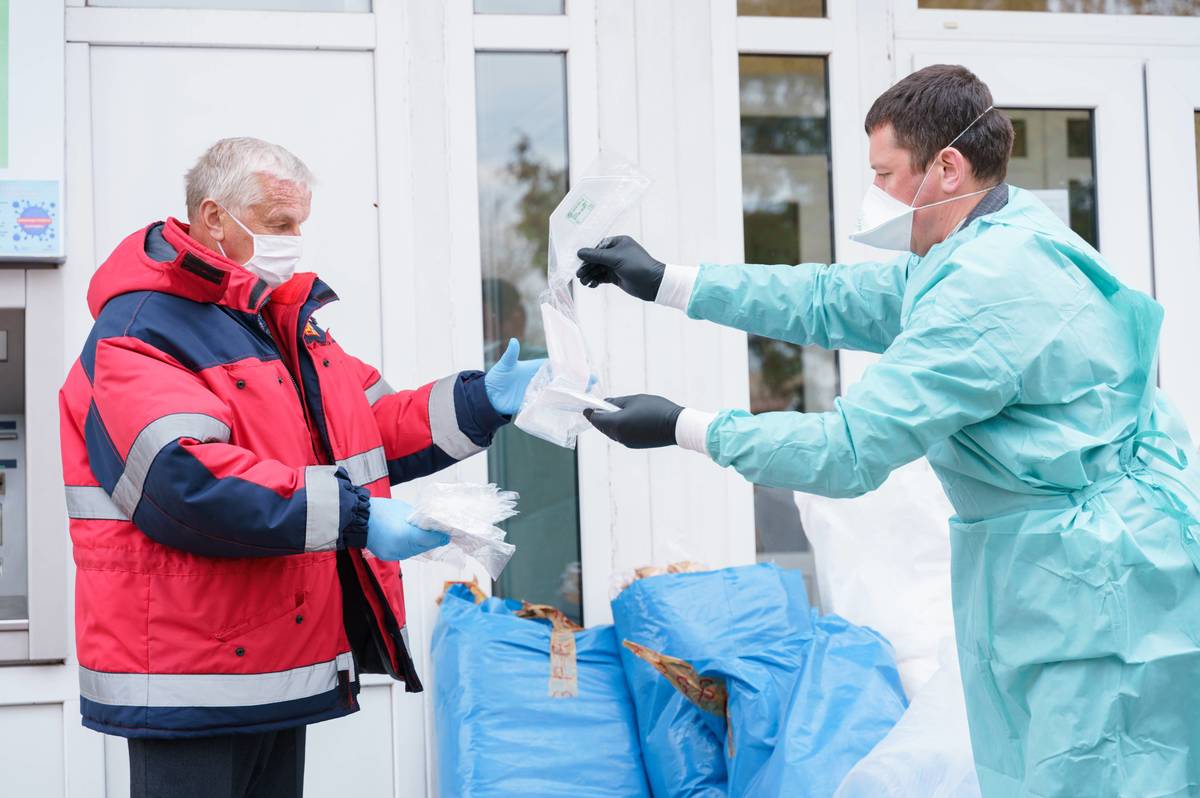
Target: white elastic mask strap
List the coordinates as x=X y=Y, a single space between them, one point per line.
x=962 y=133
x=238 y=222
x=968 y=127
x=957 y=197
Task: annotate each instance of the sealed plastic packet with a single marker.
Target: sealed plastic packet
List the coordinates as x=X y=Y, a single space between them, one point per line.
x=468 y=513
x=569 y=382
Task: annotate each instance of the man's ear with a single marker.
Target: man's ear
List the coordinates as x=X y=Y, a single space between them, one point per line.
x=209 y=219
x=955 y=169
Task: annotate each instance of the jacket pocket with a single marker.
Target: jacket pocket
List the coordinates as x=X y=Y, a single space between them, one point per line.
x=268 y=417
x=283 y=609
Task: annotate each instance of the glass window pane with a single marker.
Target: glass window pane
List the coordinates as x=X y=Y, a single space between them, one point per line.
x=786 y=218
x=361 y=6
x=521 y=107
x=1178 y=8
x=781 y=8
x=14 y=586
x=1053 y=157
x=1196 y=121
x=518 y=6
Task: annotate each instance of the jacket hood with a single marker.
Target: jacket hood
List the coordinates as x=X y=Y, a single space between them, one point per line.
x=164 y=257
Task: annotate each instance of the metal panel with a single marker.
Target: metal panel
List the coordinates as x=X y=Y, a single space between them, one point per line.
x=31 y=750
x=1172 y=105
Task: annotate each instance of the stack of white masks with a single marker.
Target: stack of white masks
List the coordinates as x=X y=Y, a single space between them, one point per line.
x=468 y=513
x=569 y=383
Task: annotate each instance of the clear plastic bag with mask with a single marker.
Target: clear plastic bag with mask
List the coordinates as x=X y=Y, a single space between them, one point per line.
x=468 y=513
x=569 y=382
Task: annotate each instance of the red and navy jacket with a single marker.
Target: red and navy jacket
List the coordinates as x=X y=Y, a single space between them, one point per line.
x=219 y=449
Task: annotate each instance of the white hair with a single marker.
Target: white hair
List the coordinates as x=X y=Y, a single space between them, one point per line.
x=228 y=172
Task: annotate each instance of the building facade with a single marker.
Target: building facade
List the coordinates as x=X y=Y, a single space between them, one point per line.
x=442 y=134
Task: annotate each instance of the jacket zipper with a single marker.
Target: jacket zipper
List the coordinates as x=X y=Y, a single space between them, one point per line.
x=301 y=351
x=262 y=324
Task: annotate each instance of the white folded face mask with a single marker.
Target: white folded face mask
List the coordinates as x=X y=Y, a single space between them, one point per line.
x=885 y=222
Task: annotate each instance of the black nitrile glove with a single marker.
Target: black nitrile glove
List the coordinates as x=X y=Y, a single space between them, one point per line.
x=643 y=422
x=621 y=261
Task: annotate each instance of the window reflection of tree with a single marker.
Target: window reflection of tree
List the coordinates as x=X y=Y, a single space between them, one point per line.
x=542 y=187
x=781 y=8
x=516 y=201
x=1196 y=122
x=517 y=196
x=1179 y=8
x=785 y=179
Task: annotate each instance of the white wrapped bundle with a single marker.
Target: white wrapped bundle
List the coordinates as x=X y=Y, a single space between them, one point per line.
x=468 y=513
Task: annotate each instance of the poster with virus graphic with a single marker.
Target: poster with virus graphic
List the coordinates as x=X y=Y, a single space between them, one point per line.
x=30 y=226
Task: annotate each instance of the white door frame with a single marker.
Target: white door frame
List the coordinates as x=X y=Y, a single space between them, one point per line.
x=1172 y=100
x=948 y=26
x=574 y=35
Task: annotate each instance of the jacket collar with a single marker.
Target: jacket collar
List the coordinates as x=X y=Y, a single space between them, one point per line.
x=234 y=285
x=164 y=257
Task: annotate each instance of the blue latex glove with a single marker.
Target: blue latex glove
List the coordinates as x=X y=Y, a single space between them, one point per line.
x=507 y=380
x=391 y=537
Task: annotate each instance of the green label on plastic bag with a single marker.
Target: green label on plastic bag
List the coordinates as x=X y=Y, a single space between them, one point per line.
x=582 y=210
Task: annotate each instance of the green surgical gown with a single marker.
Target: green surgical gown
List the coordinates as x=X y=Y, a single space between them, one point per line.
x=1025 y=372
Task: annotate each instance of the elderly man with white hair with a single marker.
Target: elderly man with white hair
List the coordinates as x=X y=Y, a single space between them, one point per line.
x=228 y=469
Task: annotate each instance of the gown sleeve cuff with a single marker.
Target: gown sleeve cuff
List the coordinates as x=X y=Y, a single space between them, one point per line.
x=691 y=430
x=675 y=291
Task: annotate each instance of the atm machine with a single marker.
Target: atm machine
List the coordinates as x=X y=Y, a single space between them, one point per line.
x=14 y=570
x=32 y=119
x=13 y=561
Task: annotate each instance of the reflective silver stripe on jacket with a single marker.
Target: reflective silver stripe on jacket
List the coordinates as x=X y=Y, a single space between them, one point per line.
x=150 y=441
x=345 y=662
x=212 y=689
x=443 y=422
x=365 y=467
x=378 y=390
x=92 y=502
x=322 y=519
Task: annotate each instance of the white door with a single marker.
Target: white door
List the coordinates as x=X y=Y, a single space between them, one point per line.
x=1173 y=135
x=152 y=112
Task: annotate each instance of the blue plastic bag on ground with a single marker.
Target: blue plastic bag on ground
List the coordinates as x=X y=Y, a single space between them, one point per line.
x=805 y=697
x=711 y=616
x=500 y=732
x=846 y=698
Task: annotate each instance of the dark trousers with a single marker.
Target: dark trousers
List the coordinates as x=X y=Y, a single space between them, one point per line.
x=233 y=765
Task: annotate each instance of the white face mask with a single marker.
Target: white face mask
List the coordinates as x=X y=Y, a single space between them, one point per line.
x=885 y=222
x=275 y=257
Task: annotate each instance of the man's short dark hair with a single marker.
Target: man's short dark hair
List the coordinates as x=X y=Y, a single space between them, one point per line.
x=931 y=106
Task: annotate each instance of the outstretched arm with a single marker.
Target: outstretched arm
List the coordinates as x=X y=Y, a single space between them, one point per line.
x=835 y=306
